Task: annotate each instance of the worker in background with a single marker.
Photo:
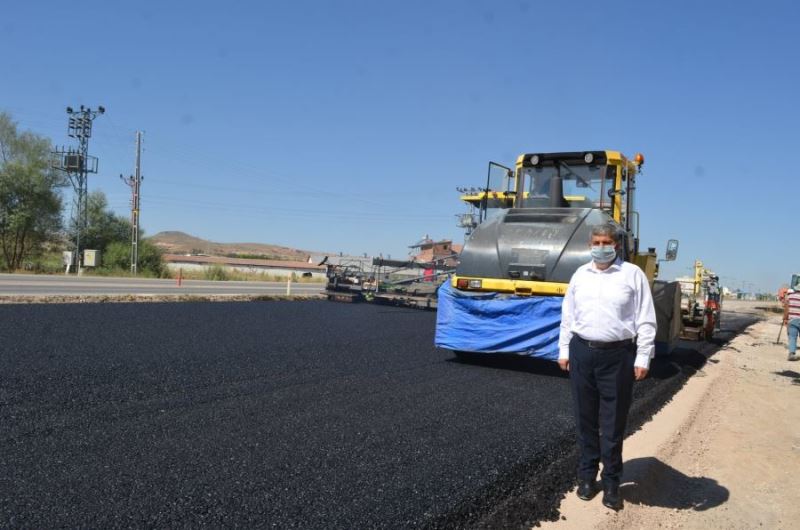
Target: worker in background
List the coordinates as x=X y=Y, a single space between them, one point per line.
x=608 y=328
x=791 y=319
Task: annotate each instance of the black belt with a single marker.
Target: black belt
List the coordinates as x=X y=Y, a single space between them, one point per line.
x=606 y=345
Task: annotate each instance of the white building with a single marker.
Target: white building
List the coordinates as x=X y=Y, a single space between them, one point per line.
x=272 y=267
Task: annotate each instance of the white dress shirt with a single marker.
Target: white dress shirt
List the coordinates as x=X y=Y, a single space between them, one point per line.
x=609 y=305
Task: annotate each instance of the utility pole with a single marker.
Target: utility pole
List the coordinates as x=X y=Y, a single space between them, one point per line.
x=77 y=164
x=135 y=183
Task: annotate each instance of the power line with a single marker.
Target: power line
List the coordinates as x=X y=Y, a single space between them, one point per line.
x=194 y=154
x=295 y=212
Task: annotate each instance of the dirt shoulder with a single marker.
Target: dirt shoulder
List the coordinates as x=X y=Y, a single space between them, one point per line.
x=725 y=453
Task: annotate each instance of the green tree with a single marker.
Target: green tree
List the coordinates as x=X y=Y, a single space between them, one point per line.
x=111 y=235
x=30 y=199
x=104 y=226
x=117 y=256
x=150 y=260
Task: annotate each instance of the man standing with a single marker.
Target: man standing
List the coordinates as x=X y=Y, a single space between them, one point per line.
x=791 y=319
x=608 y=328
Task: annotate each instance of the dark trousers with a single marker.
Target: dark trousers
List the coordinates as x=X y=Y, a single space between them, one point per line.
x=602 y=384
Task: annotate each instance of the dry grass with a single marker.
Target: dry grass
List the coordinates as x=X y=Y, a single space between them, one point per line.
x=220 y=274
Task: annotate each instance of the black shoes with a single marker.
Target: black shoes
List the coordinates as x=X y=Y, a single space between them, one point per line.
x=611 y=497
x=587 y=489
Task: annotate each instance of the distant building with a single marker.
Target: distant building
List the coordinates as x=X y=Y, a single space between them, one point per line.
x=443 y=252
x=271 y=267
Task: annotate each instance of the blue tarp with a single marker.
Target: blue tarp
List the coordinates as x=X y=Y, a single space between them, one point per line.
x=497 y=323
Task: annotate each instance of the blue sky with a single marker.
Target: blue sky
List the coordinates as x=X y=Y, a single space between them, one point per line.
x=347 y=126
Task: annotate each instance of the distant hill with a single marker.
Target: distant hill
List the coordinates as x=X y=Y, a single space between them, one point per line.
x=181 y=243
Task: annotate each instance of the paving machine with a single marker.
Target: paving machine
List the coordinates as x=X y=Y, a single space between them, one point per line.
x=409 y=283
x=529 y=230
x=703 y=306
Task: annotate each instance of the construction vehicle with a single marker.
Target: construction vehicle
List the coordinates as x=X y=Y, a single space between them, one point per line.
x=346 y=279
x=794 y=284
x=529 y=231
x=410 y=283
x=703 y=306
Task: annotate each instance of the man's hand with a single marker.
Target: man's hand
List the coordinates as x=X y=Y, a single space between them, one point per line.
x=564 y=364
x=639 y=373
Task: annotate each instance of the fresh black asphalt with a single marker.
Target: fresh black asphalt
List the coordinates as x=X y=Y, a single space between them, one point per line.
x=279 y=414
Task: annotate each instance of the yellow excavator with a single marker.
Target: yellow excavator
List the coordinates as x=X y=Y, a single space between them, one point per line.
x=529 y=231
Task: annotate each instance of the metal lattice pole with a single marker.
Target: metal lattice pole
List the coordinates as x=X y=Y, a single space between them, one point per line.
x=77 y=164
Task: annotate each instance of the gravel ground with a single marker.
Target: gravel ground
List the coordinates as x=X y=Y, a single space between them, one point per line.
x=292 y=414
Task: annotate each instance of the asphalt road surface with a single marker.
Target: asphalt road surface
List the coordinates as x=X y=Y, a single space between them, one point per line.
x=280 y=414
x=62 y=285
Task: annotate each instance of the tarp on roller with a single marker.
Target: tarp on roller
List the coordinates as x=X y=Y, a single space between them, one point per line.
x=498 y=323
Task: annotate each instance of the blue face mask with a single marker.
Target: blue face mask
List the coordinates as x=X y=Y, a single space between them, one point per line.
x=603 y=254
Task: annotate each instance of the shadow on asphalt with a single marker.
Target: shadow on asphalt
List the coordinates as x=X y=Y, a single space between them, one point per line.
x=398 y=310
x=687 y=358
x=681 y=360
x=651 y=482
x=509 y=361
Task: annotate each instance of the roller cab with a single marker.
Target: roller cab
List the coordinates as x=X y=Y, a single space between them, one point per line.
x=534 y=221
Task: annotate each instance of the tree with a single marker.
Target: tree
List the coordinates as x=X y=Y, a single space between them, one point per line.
x=30 y=199
x=111 y=234
x=117 y=256
x=104 y=226
x=150 y=259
